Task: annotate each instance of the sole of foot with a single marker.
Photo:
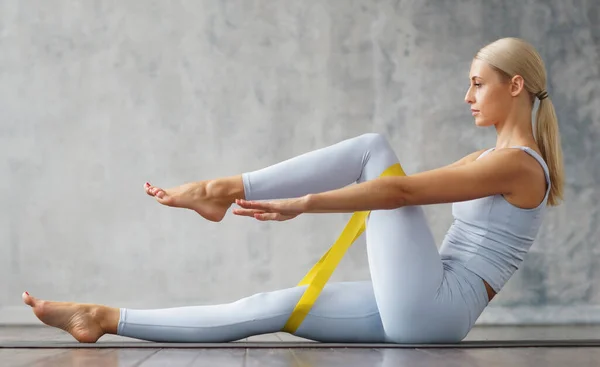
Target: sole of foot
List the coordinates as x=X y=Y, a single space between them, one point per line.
x=76 y=319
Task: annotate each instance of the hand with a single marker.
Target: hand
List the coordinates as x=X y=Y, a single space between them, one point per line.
x=278 y=210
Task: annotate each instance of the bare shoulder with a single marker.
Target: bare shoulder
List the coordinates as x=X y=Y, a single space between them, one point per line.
x=530 y=179
x=516 y=159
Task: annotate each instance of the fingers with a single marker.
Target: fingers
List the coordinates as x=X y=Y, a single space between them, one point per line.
x=268 y=216
x=247 y=212
x=261 y=215
x=254 y=205
x=273 y=216
x=254 y=213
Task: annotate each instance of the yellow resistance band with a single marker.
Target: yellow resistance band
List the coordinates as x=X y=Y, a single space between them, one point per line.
x=320 y=273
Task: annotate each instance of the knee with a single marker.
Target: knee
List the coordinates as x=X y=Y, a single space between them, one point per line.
x=378 y=155
x=379 y=143
x=374 y=140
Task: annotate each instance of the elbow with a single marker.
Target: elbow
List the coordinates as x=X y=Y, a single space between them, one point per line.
x=399 y=196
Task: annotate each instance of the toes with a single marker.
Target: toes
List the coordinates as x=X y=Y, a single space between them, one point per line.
x=164 y=198
x=28 y=299
x=148 y=188
x=153 y=191
x=158 y=193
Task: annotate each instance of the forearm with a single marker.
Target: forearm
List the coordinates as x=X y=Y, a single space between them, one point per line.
x=379 y=194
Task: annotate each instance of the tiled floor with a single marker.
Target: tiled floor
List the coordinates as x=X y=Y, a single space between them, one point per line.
x=304 y=357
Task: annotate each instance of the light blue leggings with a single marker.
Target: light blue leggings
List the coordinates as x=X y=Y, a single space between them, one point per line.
x=413 y=297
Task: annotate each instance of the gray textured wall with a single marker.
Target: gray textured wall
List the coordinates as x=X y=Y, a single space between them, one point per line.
x=98 y=97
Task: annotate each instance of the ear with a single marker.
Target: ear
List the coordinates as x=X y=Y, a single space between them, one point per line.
x=517 y=84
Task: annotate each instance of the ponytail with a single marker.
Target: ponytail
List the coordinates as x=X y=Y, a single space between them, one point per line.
x=547 y=136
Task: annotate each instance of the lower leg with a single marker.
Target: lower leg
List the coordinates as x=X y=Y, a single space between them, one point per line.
x=338 y=165
x=324 y=169
x=345 y=312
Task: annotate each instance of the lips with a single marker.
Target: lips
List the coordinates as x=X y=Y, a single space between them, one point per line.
x=474 y=112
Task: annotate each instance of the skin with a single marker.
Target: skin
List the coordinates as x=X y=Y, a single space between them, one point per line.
x=495 y=100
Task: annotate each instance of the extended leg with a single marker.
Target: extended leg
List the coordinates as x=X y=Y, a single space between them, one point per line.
x=324 y=169
x=345 y=312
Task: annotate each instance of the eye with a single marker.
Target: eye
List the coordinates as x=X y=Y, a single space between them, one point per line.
x=477 y=84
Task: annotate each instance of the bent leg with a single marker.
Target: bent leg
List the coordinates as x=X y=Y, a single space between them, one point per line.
x=345 y=312
x=420 y=298
x=406 y=271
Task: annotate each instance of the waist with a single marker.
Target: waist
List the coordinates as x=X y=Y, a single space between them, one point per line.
x=490 y=291
x=492 y=257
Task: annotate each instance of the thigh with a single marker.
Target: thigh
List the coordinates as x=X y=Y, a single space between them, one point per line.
x=405 y=265
x=344 y=312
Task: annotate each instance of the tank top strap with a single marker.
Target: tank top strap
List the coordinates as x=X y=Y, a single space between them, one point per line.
x=535 y=155
x=484 y=153
x=541 y=161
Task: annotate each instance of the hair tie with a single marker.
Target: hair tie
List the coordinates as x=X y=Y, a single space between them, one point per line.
x=542 y=95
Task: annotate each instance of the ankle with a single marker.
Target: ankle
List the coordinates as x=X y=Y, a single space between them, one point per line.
x=228 y=188
x=106 y=317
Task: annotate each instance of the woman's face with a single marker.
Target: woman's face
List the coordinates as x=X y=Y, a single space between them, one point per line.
x=489 y=94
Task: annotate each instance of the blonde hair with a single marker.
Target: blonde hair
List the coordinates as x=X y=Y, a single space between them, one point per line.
x=513 y=56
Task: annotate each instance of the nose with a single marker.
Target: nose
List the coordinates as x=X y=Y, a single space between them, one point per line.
x=469 y=96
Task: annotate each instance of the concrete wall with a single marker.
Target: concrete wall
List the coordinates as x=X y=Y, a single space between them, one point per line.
x=98 y=97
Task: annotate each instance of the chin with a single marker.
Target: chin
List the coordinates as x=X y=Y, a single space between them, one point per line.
x=483 y=123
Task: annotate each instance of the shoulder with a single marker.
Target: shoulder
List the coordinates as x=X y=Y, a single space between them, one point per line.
x=511 y=159
x=504 y=163
x=523 y=164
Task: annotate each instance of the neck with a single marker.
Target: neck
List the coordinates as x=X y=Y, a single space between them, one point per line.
x=516 y=129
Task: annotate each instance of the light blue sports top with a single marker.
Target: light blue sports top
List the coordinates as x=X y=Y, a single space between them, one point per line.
x=490 y=236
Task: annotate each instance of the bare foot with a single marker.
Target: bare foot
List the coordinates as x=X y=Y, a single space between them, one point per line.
x=81 y=321
x=197 y=196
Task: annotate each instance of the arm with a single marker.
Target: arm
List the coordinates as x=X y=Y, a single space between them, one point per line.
x=499 y=173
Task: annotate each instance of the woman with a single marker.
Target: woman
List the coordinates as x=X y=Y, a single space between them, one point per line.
x=416 y=294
